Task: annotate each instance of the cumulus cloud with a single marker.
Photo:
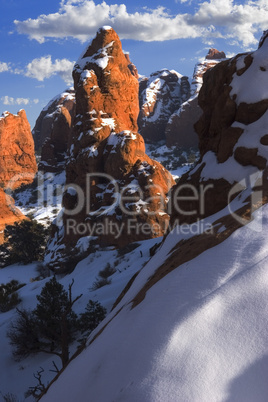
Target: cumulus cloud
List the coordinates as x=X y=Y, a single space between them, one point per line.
x=211 y=19
x=3 y=67
x=81 y=19
x=8 y=100
x=44 y=67
x=234 y=21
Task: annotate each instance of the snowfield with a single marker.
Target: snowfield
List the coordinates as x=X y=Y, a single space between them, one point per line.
x=199 y=335
x=17 y=377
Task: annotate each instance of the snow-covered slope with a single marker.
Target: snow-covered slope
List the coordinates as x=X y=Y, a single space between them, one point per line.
x=17 y=377
x=200 y=333
x=194 y=324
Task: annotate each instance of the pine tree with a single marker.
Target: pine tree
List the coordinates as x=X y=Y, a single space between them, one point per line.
x=50 y=327
x=91 y=318
x=25 y=242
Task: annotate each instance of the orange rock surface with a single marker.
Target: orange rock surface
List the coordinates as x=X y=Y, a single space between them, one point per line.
x=9 y=214
x=106 y=142
x=17 y=157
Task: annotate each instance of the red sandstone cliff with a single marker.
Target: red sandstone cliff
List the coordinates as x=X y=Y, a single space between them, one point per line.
x=17 y=157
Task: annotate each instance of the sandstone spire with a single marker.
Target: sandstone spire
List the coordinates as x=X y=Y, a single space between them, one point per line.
x=107 y=162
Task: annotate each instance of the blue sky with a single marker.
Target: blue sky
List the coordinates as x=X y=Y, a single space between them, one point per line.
x=40 y=41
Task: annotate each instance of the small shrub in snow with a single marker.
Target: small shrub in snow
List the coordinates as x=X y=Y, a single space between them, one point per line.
x=9 y=297
x=99 y=283
x=9 y=397
x=43 y=270
x=74 y=256
x=107 y=271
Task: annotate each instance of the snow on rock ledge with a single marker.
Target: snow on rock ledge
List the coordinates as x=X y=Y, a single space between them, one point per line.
x=232 y=131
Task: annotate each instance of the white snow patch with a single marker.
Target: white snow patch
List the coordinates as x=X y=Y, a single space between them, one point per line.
x=252 y=85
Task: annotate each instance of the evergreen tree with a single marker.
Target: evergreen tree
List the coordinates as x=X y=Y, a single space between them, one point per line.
x=55 y=318
x=50 y=327
x=24 y=242
x=91 y=318
x=23 y=335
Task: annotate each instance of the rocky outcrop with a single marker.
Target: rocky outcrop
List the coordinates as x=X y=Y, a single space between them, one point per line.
x=112 y=185
x=133 y=69
x=17 y=157
x=180 y=129
x=9 y=214
x=214 y=54
x=160 y=96
x=232 y=132
x=53 y=131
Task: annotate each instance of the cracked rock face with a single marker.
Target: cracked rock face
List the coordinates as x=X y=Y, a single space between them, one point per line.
x=17 y=156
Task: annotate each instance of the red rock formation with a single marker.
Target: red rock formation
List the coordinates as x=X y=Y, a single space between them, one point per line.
x=214 y=54
x=231 y=129
x=17 y=157
x=160 y=96
x=53 y=131
x=105 y=88
x=124 y=188
x=9 y=214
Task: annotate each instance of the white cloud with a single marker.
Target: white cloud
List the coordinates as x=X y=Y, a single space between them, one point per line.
x=81 y=19
x=3 y=67
x=212 y=19
x=8 y=100
x=183 y=1
x=35 y=101
x=234 y=21
x=44 y=67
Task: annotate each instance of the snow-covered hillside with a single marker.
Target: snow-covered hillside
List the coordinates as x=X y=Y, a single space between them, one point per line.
x=17 y=377
x=200 y=333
